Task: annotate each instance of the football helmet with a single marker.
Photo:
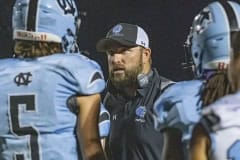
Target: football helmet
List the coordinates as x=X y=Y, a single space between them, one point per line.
x=209 y=40
x=47 y=20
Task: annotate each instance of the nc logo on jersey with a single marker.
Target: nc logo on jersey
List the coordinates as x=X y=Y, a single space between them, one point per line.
x=140 y=114
x=23 y=79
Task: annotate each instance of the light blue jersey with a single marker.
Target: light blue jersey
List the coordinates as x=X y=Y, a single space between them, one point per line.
x=179 y=106
x=36 y=123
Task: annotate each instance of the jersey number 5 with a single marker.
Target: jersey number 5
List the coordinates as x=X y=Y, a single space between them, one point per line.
x=26 y=102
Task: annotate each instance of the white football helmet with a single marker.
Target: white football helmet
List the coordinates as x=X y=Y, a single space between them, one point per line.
x=209 y=41
x=46 y=20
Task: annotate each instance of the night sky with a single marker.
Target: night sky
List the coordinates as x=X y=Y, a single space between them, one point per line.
x=167 y=23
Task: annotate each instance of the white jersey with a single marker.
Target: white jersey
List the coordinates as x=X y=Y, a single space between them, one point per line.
x=222 y=121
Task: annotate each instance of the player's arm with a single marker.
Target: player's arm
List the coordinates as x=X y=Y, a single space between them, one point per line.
x=200 y=144
x=87 y=128
x=172 y=147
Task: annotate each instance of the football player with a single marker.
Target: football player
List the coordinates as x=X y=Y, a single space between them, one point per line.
x=217 y=135
x=178 y=108
x=50 y=100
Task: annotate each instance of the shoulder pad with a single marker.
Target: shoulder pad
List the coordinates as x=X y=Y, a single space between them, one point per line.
x=179 y=105
x=224 y=113
x=87 y=73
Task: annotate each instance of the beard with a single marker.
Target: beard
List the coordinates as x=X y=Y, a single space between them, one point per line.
x=128 y=78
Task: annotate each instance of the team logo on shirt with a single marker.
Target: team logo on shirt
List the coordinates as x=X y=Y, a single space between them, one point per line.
x=114 y=117
x=23 y=79
x=140 y=114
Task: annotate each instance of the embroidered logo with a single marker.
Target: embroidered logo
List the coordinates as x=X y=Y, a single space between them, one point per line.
x=114 y=117
x=23 y=79
x=140 y=114
x=117 y=28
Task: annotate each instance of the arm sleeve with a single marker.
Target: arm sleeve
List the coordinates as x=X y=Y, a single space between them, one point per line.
x=104 y=122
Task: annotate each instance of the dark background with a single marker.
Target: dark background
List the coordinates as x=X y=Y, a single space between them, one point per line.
x=167 y=23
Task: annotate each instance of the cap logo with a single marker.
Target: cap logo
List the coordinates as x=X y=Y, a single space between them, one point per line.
x=118 y=28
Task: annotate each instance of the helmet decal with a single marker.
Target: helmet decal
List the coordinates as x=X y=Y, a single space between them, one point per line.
x=209 y=40
x=202 y=20
x=67 y=6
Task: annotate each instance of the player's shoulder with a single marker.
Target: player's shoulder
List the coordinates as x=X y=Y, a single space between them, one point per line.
x=223 y=113
x=5 y=62
x=228 y=99
x=183 y=88
x=188 y=84
x=70 y=60
x=73 y=63
x=226 y=103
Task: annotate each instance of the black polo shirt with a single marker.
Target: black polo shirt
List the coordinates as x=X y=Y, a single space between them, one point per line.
x=132 y=134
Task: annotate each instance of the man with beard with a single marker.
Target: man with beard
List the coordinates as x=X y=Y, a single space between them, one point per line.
x=133 y=87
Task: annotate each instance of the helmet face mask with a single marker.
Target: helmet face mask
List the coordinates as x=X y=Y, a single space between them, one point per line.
x=46 y=20
x=188 y=61
x=209 y=37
